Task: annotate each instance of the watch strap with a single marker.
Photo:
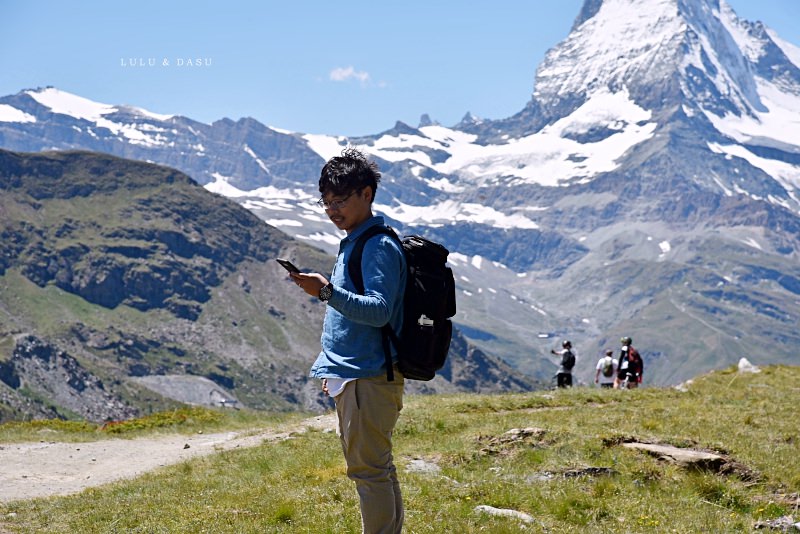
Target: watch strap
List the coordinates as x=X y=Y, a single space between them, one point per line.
x=326 y=292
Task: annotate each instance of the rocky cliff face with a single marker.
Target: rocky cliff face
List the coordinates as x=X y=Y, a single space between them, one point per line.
x=37 y=367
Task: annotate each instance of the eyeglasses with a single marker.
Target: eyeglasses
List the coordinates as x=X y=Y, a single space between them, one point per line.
x=334 y=204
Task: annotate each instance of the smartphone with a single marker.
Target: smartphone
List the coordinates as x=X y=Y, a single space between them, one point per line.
x=289 y=266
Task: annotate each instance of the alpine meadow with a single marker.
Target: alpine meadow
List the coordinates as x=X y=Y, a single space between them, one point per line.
x=558 y=461
x=647 y=189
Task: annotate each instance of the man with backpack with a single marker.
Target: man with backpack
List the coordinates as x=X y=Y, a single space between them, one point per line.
x=564 y=375
x=606 y=370
x=352 y=362
x=630 y=366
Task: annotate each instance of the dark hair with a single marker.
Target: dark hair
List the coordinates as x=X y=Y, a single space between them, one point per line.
x=351 y=171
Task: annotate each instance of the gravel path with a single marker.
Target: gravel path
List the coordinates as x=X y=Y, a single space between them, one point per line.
x=29 y=470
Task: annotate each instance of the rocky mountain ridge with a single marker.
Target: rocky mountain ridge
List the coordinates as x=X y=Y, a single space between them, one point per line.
x=648 y=188
x=125 y=287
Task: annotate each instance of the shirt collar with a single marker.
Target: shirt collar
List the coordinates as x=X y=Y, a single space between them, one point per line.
x=355 y=234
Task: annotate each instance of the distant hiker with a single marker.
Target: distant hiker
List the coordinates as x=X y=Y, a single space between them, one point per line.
x=351 y=363
x=606 y=370
x=564 y=375
x=630 y=366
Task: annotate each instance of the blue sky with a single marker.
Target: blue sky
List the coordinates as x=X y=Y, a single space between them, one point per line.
x=346 y=68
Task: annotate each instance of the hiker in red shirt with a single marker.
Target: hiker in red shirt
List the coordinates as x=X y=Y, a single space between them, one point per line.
x=630 y=366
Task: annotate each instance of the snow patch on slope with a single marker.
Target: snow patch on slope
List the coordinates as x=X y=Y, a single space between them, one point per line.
x=64 y=103
x=786 y=174
x=780 y=122
x=268 y=194
x=258 y=160
x=449 y=212
x=12 y=114
x=75 y=106
x=327 y=146
x=546 y=158
x=791 y=51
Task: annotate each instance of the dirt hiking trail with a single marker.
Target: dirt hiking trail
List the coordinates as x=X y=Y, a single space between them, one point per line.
x=43 y=469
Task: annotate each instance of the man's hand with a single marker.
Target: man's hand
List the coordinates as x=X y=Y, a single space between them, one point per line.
x=311 y=283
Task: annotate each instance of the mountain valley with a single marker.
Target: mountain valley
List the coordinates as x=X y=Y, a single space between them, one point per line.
x=648 y=189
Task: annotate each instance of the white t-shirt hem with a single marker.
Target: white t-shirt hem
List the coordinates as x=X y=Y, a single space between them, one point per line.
x=336 y=385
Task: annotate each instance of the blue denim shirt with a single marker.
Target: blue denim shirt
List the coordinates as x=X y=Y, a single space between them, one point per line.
x=352 y=345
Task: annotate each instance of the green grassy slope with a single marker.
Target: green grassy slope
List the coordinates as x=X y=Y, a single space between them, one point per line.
x=568 y=471
x=132 y=270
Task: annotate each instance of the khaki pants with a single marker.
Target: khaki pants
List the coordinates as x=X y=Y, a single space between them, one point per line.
x=368 y=409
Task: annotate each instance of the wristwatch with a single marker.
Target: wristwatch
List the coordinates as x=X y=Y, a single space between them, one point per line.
x=326 y=292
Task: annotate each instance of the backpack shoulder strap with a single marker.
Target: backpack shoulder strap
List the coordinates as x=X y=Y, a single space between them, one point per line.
x=354 y=262
x=354 y=270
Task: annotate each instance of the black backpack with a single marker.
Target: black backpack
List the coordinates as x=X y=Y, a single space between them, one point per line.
x=569 y=360
x=428 y=304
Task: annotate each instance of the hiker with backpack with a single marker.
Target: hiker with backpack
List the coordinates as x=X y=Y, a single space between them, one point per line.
x=352 y=362
x=630 y=366
x=564 y=375
x=606 y=370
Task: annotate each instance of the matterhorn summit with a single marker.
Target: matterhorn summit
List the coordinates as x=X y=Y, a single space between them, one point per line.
x=687 y=48
x=691 y=64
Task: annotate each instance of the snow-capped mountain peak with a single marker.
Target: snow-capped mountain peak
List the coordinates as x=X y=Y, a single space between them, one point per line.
x=620 y=40
x=693 y=49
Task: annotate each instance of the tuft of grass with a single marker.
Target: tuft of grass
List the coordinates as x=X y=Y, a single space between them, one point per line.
x=186 y=420
x=53 y=425
x=571 y=476
x=720 y=492
x=172 y=419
